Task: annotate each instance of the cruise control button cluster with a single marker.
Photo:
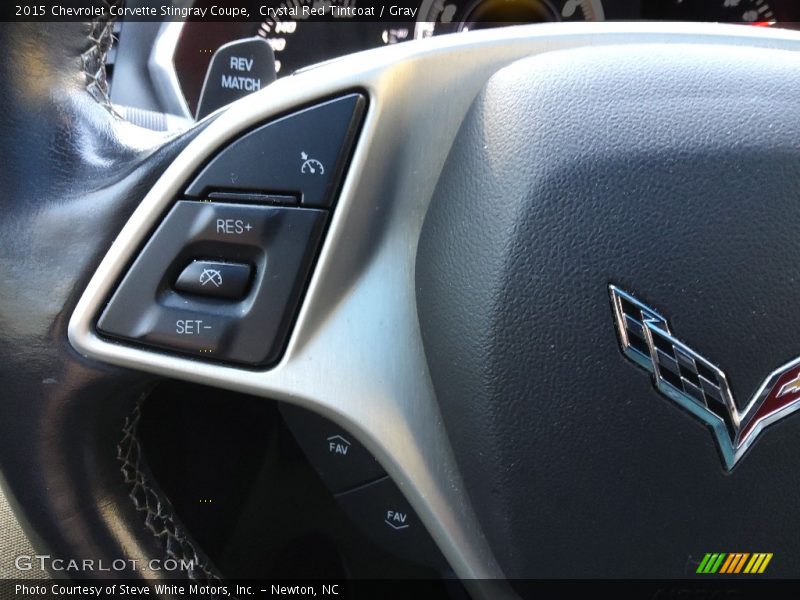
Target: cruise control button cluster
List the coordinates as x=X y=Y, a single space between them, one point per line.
x=235 y=308
x=222 y=276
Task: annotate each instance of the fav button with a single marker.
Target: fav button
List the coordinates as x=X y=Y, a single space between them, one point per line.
x=341 y=461
x=383 y=514
x=215 y=279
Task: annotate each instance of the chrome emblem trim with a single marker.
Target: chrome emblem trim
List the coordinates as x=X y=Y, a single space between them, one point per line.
x=699 y=386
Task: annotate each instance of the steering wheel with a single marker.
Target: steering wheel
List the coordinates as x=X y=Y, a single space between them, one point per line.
x=455 y=314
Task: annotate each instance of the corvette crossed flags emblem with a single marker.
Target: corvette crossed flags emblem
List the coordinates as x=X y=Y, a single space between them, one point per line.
x=697 y=385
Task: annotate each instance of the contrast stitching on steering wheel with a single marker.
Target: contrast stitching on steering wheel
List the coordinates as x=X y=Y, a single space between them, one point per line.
x=93 y=59
x=160 y=518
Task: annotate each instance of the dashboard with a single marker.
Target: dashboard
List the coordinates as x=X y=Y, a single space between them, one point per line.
x=299 y=41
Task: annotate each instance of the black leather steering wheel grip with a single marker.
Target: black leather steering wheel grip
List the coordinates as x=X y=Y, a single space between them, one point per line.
x=72 y=173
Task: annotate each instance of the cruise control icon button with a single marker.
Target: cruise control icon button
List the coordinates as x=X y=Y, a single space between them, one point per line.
x=212 y=276
x=301 y=155
x=311 y=165
x=215 y=279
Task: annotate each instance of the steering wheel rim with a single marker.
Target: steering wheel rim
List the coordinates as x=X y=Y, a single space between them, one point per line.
x=75 y=171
